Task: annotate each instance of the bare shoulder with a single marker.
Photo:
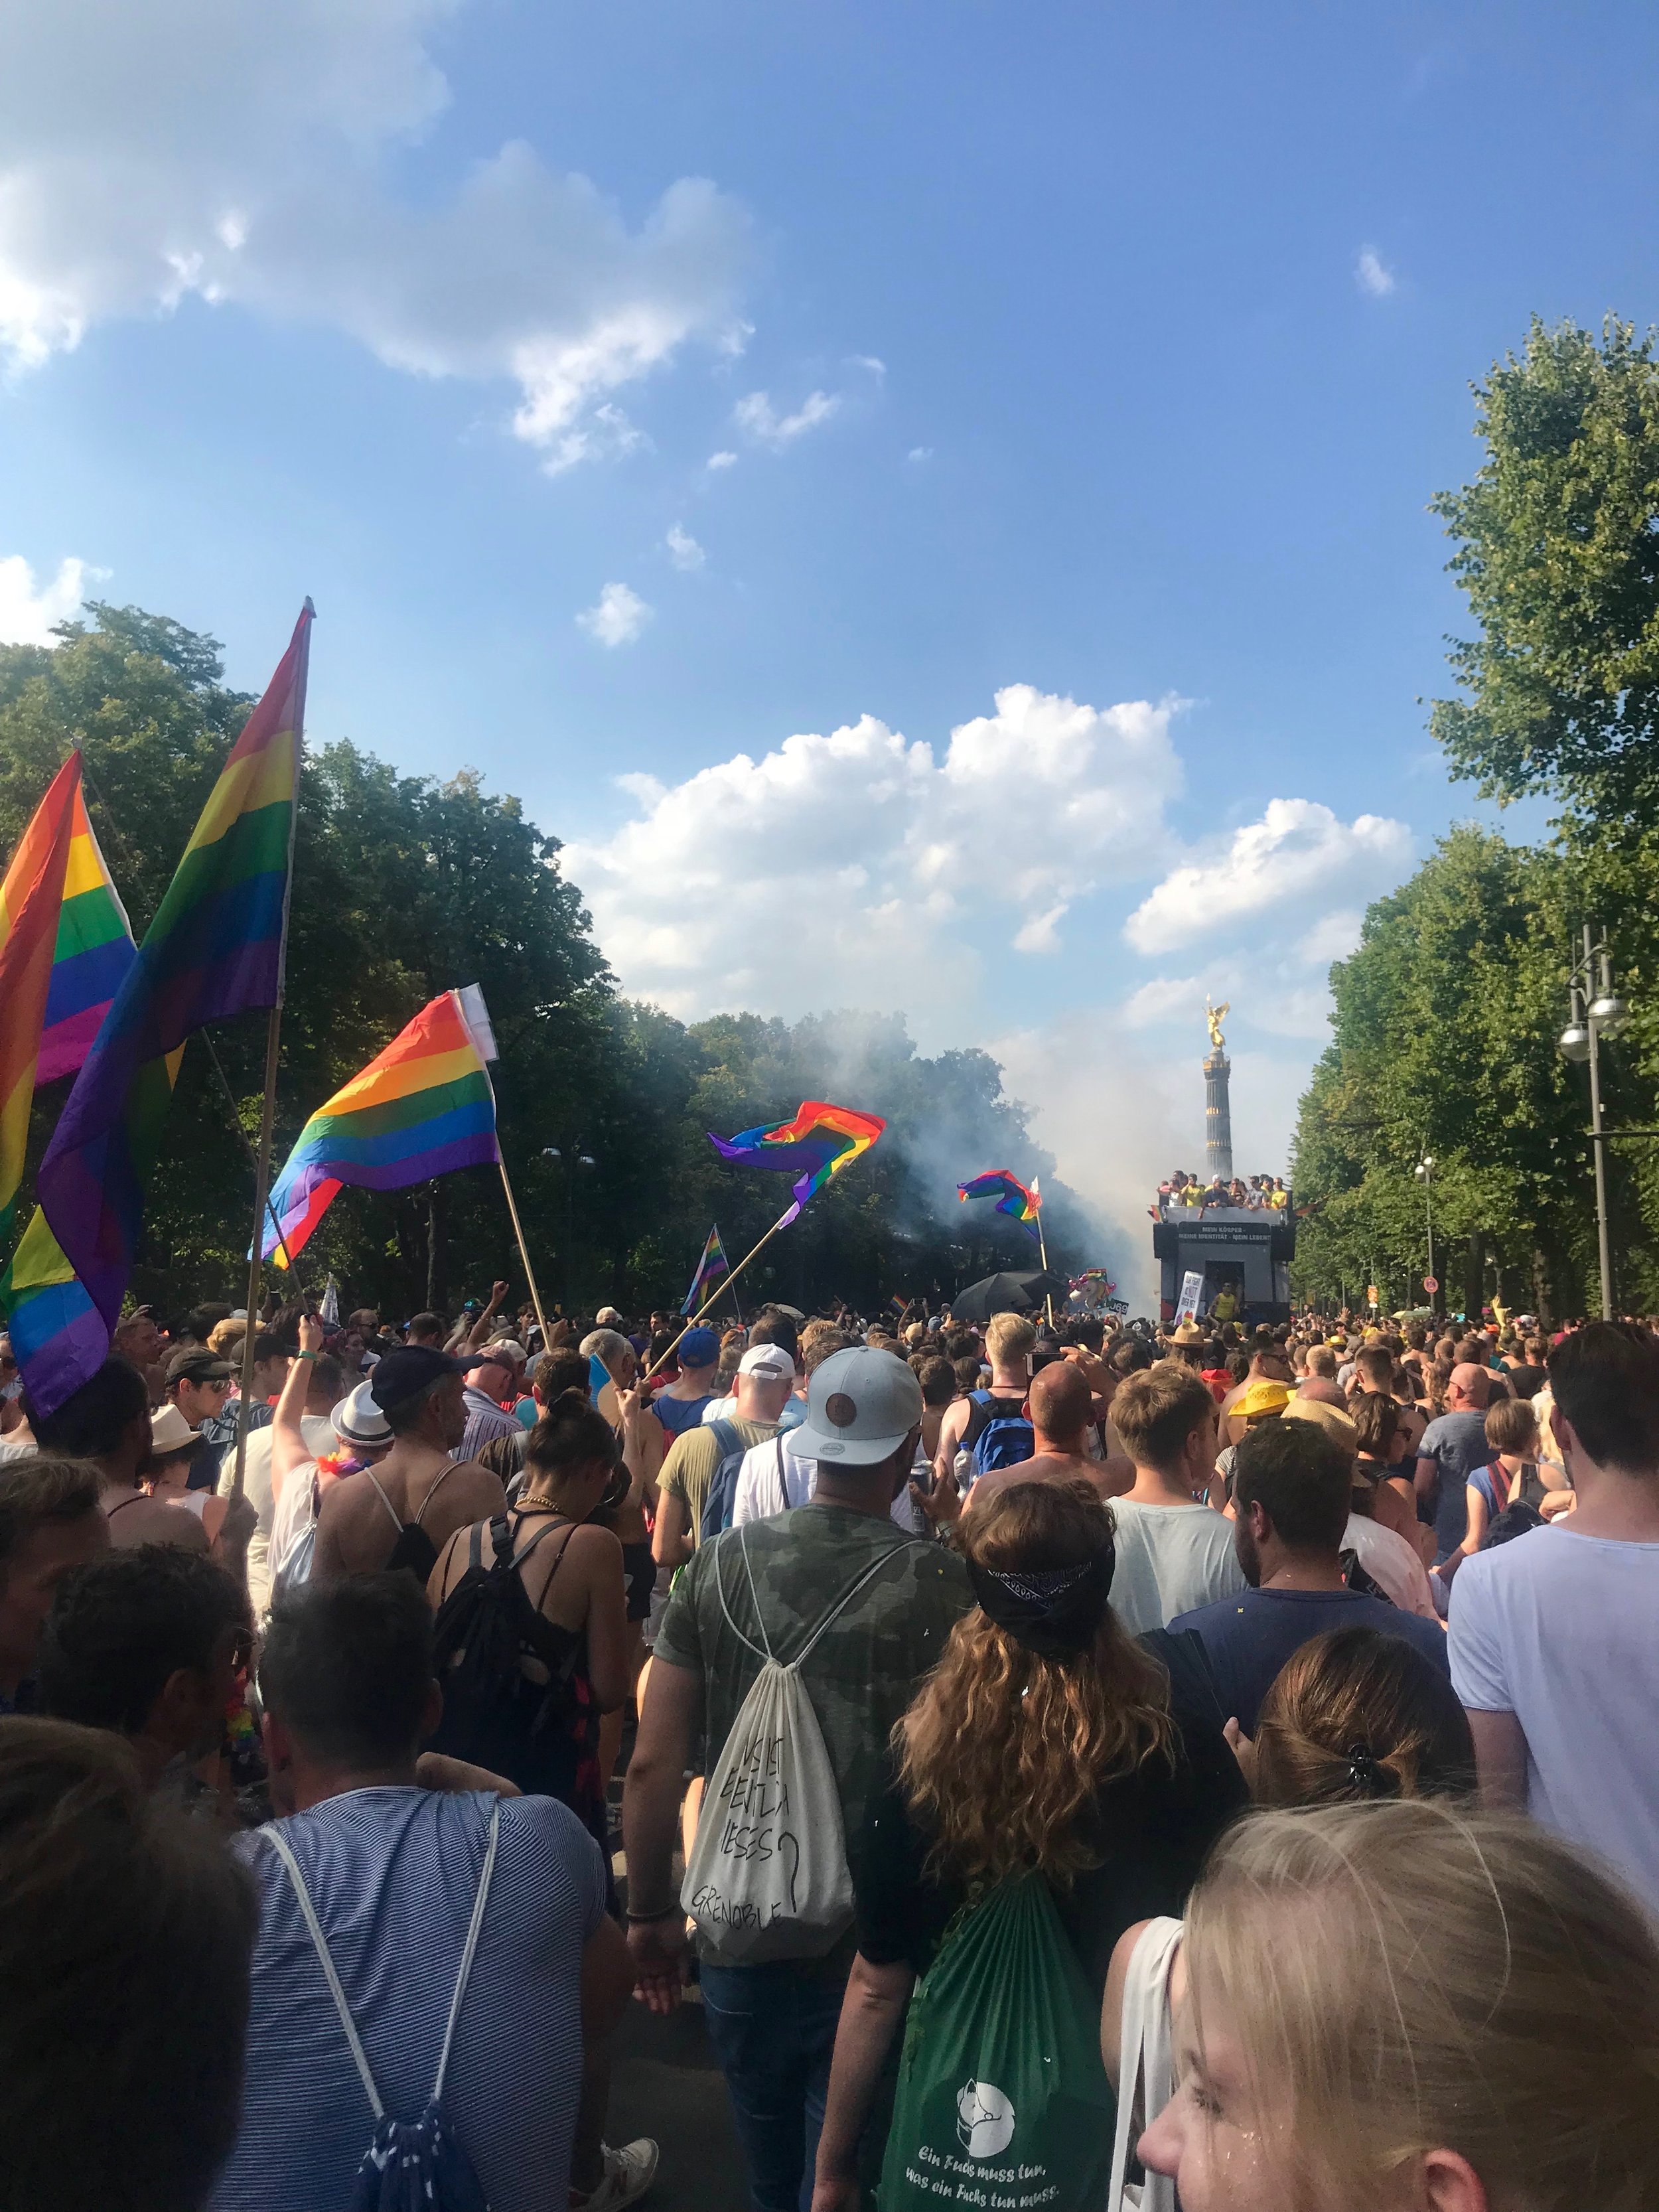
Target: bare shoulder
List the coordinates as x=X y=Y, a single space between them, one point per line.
x=479 y=1488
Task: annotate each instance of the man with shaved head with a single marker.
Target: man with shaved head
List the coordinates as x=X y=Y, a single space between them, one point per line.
x=1451 y=1451
x=1060 y=1405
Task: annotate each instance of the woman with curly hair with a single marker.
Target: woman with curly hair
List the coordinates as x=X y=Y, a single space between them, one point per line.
x=1047 y=1740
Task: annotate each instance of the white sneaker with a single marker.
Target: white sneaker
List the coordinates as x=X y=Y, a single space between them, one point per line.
x=629 y=2173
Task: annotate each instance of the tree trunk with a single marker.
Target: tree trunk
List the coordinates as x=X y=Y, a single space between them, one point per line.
x=1474 y=1274
x=1540 y=1290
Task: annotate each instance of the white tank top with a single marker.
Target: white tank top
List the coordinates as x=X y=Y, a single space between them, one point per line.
x=1146 y=2069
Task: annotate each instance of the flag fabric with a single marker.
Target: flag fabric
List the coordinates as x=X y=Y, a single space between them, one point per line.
x=215 y=948
x=93 y=953
x=31 y=901
x=818 y=1143
x=1013 y=1198
x=421 y=1107
x=713 y=1265
x=58 y=1337
x=64 y=946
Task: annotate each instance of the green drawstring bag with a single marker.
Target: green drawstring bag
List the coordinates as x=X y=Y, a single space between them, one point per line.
x=1002 y=2101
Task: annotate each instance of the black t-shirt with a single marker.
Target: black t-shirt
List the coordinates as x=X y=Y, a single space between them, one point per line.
x=1526 y=1382
x=1152 y=1829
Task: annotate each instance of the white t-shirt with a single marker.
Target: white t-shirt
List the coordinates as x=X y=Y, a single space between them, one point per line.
x=1558 y=1628
x=262 y=1555
x=766 y=1487
x=1392 y=1565
x=1170 y=1560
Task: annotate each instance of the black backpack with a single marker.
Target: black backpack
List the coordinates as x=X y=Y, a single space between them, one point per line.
x=494 y=1714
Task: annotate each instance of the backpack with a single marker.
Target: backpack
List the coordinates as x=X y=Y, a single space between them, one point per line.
x=722 y=1492
x=294 y=1568
x=494 y=1714
x=767 y=1877
x=998 y=1433
x=410 y=2165
x=414 y=1548
x=1001 y=2096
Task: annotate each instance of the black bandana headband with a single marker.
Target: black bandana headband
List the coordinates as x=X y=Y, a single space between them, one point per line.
x=1055 y=1612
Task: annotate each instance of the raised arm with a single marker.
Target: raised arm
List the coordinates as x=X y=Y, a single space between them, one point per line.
x=289 y=1448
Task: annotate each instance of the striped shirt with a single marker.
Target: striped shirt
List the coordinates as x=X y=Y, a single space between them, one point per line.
x=485 y=1421
x=393 y=1873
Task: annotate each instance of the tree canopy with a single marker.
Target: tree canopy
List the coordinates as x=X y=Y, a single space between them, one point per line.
x=404 y=886
x=1447 y=1015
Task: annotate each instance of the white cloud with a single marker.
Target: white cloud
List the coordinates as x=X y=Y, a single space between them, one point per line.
x=618 y=617
x=27 y=615
x=722 y=460
x=873 y=363
x=1376 y=280
x=757 y=415
x=787 y=882
x=244 y=152
x=1165 y=999
x=920 y=453
x=1333 y=936
x=1298 y=848
x=683 y=550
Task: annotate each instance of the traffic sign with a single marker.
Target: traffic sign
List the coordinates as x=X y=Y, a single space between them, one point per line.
x=1431 y=1283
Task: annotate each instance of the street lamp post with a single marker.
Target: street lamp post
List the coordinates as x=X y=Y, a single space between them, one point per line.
x=1595 y=1011
x=1424 y=1174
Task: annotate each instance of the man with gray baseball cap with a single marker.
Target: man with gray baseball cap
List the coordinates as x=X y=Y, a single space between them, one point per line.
x=771 y=1585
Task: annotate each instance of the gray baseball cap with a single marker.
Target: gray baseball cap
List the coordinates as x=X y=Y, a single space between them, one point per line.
x=860 y=1406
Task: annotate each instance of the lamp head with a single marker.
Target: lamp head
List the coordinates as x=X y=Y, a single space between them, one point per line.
x=1610 y=1013
x=1574 y=1041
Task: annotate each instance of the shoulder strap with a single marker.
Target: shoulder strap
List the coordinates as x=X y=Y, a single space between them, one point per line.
x=783 y=1480
x=470 y=1948
x=397 y=1521
x=726 y=1439
x=827 y=1620
x=278 y=1842
x=435 y=1488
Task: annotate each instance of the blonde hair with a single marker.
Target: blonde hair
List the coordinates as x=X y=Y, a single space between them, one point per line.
x=1155 y=1411
x=1008 y=1337
x=225 y=1335
x=1002 y=1750
x=1407 y=1976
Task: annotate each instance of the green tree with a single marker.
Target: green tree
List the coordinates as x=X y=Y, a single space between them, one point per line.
x=1557 y=550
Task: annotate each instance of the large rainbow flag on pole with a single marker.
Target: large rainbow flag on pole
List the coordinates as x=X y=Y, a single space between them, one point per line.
x=65 y=947
x=1011 y=1195
x=421 y=1107
x=818 y=1143
x=216 y=948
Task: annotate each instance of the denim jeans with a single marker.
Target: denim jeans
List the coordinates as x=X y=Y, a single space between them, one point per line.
x=773 y=2027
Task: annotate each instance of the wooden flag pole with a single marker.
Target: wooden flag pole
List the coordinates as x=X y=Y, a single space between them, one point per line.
x=256 y=1264
x=253 y=1161
x=724 y=1285
x=524 y=1249
x=1043 y=1251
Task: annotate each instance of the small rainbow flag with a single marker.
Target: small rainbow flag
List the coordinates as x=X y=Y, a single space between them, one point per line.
x=419 y=1108
x=713 y=1265
x=1011 y=1195
x=818 y=1143
x=65 y=947
x=215 y=948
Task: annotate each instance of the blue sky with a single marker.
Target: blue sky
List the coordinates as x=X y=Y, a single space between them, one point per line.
x=1089 y=355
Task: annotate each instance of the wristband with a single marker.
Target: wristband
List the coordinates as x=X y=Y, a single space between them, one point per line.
x=307 y=1355
x=646 y=1919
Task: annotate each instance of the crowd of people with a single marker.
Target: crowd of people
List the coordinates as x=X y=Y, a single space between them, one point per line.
x=1072 y=1766
x=1260 y=1192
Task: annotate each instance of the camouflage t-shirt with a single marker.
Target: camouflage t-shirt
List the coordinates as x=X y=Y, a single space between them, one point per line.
x=863 y=1671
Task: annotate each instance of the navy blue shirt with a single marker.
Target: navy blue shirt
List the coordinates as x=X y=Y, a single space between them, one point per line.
x=1248 y=1638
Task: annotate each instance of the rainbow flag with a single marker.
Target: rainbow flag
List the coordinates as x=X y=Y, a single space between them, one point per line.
x=820 y=1141
x=64 y=940
x=214 y=949
x=93 y=953
x=1011 y=1195
x=713 y=1265
x=419 y=1108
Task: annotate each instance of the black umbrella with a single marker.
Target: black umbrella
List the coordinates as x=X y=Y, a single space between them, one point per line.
x=1006 y=1293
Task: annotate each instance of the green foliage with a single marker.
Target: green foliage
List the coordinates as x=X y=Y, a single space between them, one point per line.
x=404 y=886
x=1559 y=552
